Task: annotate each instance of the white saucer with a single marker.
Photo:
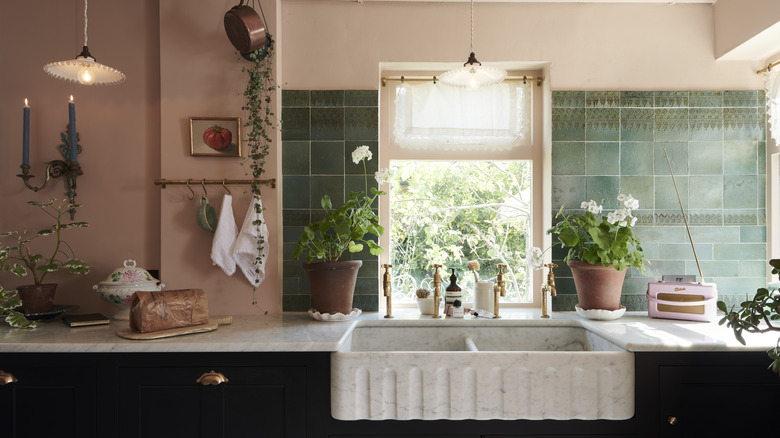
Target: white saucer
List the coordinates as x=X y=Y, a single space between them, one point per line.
x=603 y=315
x=334 y=317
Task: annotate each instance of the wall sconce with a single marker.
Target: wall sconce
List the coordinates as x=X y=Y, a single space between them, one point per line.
x=69 y=148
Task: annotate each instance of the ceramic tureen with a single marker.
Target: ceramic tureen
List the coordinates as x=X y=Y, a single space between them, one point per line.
x=119 y=287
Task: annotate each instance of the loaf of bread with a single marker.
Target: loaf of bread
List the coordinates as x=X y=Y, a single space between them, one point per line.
x=152 y=311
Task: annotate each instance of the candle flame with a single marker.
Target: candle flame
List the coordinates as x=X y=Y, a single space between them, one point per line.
x=71 y=98
x=25 y=102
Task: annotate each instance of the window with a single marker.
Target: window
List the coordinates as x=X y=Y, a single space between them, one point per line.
x=466 y=186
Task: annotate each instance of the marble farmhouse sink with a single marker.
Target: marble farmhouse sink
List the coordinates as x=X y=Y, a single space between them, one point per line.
x=480 y=369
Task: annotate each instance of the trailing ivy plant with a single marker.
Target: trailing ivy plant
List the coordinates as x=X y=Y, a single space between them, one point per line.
x=756 y=316
x=260 y=88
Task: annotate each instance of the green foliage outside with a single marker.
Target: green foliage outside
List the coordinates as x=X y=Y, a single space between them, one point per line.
x=453 y=212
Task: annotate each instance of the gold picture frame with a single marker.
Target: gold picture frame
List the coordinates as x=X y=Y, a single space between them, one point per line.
x=216 y=147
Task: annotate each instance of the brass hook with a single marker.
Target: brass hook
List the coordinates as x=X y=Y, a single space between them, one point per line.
x=225 y=187
x=191 y=191
x=203 y=186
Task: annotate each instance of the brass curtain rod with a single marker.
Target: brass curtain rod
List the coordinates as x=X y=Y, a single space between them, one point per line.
x=163 y=182
x=768 y=67
x=402 y=79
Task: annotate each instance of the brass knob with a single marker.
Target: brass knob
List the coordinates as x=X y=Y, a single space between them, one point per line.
x=212 y=378
x=672 y=420
x=6 y=378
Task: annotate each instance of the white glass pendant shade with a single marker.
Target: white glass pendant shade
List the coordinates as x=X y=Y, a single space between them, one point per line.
x=473 y=75
x=84 y=70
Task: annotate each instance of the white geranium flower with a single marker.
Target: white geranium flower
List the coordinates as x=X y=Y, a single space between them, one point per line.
x=633 y=221
x=621 y=197
x=535 y=257
x=611 y=218
x=592 y=207
x=360 y=153
x=383 y=176
x=623 y=223
x=629 y=201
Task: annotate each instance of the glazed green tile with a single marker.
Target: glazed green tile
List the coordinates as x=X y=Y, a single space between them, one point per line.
x=361 y=98
x=761 y=146
x=746 y=216
x=752 y=233
x=705 y=99
x=671 y=124
x=295 y=217
x=762 y=191
x=298 y=98
x=367 y=286
x=706 y=191
x=291 y=233
x=740 y=98
x=640 y=187
x=636 y=158
x=288 y=248
x=568 y=124
x=678 y=158
x=366 y=303
x=602 y=124
x=671 y=99
x=293 y=268
x=665 y=196
x=703 y=217
x=295 y=158
x=661 y=234
x=296 y=303
x=327 y=98
x=740 y=158
x=740 y=251
x=682 y=251
x=568 y=158
x=295 y=124
x=761 y=213
x=357 y=183
x=327 y=158
x=568 y=99
x=658 y=268
x=370 y=269
x=602 y=99
x=715 y=267
x=372 y=165
x=332 y=186
x=564 y=301
x=327 y=123
x=568 y=191
x=705 y=124
x=705 y=158
x=361 y=123
x=290 y=286
x=668 y=217
x=738 y=286
x=742 y=124
x=603 y=190
x=740 y=191
x=295 y=192
x=602 y=158
x=752 y=268
x=704 y=235
x=636 y=99
x=637 y=124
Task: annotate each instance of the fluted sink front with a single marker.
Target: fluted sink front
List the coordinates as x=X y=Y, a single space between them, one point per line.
x=480 y=369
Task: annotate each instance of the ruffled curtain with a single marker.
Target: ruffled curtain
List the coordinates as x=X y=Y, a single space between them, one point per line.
x=773 y=103
x=435 y=116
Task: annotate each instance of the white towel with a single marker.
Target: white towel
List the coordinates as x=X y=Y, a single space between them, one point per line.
x=224 y=237
x=245 y=250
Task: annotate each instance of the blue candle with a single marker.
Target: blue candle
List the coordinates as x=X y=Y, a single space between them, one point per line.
x=26 y=134
x=72 y=130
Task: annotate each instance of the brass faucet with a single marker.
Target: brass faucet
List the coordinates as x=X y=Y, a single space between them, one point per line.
x=388 y=290
x=499 y=288
x=436 y=291
x=549 y=286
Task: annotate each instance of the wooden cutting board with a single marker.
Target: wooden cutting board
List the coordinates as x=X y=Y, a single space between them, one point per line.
x=213 y=323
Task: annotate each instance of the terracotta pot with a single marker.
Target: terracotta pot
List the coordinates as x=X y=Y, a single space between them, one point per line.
x=333 y=284
x=598 y=286
x=37 y=298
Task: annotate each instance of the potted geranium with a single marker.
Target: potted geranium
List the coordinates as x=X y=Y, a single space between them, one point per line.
x=20 y=259
x=601 y=247
x=347 y=228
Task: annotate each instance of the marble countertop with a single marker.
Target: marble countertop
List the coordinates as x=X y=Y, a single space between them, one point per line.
x=296 y=332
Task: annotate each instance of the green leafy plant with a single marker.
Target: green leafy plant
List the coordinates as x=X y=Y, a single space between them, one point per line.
x=9 y=301
x=764 y=308
x=20 y=259
x=345 y=228
x=601 y=240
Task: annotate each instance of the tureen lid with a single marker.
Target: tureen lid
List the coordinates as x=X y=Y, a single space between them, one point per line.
x=129 y=275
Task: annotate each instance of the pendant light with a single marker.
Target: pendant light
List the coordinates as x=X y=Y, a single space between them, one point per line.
x=84 y=69
x=473 y=74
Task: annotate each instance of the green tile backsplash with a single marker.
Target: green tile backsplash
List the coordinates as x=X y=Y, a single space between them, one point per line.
x=605 y=142
x=320 y=130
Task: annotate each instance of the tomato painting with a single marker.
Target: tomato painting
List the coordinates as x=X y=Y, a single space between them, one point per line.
x=217 y=137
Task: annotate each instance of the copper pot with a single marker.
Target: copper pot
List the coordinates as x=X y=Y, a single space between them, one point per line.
x=245 y=29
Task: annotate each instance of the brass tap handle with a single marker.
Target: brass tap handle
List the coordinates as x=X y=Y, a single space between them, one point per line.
x=386 y=285
x=551 y=278
x=436 y=290
x=6 y=378
x=499 y=289
x=212 y=378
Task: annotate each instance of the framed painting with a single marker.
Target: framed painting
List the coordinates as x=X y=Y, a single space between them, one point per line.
x=215 y=136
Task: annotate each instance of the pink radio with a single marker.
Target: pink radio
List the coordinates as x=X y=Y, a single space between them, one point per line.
x=682 y=300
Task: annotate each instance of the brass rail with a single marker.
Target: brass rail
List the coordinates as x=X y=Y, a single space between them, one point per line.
x=435 y=79
x=768 y=67
x=163 y=182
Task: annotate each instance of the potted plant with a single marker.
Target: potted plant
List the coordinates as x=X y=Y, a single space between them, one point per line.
x=601 y=247
x=341 y=229
x=20 y=259
x=424 y=301
x=756 y=316
x=9 y=302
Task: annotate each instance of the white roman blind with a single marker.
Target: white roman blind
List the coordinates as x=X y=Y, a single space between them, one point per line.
x=439 y=117
x=773 y=103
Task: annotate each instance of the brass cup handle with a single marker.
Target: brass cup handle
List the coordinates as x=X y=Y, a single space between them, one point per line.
x=672 y=420
x=6 y=378
x=212 y=378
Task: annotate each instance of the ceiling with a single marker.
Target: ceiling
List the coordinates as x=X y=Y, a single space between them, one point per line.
x=554 y=1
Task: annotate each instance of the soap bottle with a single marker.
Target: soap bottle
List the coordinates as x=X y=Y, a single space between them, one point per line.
x=452 y=293
x=457 y=309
